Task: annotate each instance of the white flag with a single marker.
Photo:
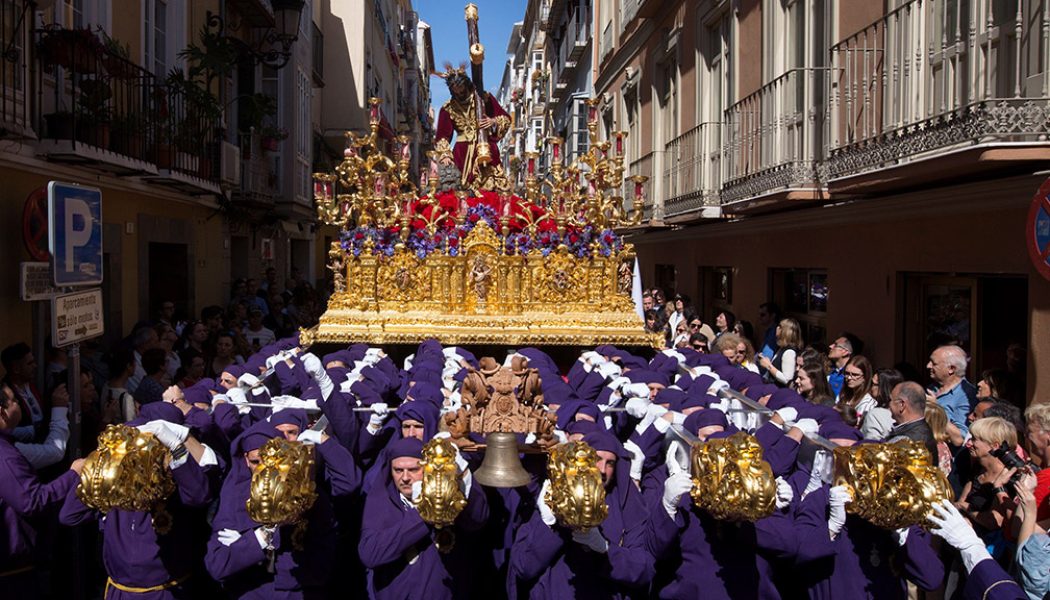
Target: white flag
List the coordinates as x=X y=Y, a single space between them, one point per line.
x=636 y=290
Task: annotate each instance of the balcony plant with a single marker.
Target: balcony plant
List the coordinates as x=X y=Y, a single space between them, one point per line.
x=78 y=50
x=94 y=114
x=116 y=57
x=270 y=138
x=129 y=134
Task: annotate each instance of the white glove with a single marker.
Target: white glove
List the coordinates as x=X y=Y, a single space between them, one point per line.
x=530 y=439
x=722 y=405
x=808 y=426
x=616 y=385
x=228 y=536
x=637 y=459
x=677 y=458
x=839 y=497
x=247 y=381
x=272 y=361
x=609 y=369
x=310 y=436
x=675 y=354
x=784 y=493
x=285 y=402
x=561 y=436
x=700 y=370
x=823 y=464
x=380 y=413
x=816 y=472
x=637 y=407
x=591 y=358
x=954 y=529
x=676 y=417
x=591 y=539
x=449 y=352
x=442 y=435
x=236 y=396
x=787 y=414
x=461 y=463
x=408 y=361
x=315 y=369
x=373 y=355
x=635 y=390
x=417 y=491
x=265 y=537
x=169 y=434
x=718 y=386
x=676 y=486
x=218 y=399
x=546 y=514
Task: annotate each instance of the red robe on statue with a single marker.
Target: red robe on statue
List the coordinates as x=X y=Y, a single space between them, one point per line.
x=460 y=118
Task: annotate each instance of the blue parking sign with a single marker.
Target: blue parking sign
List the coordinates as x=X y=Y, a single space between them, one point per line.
x=75 y=233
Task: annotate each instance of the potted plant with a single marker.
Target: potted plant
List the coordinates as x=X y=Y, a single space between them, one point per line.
x=270 y=138
x=129 y=134
x=94 y=114
x=116 y=57
x=163 y=150
x=60 y=125
x=78 y=50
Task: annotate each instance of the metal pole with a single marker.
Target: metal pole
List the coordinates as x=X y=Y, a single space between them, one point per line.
x=73 y=451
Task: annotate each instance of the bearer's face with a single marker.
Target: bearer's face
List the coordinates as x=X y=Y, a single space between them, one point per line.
x=252 y=459
x=406 y=471
x=412 y=428
x=606 y=466
x=291 y=432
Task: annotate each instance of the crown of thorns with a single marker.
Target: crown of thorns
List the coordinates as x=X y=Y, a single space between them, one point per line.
x=452 y=72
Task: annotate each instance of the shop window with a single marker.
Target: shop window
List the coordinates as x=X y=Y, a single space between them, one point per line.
x=803 y=295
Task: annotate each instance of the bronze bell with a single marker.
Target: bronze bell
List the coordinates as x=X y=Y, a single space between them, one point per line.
x=502 y=466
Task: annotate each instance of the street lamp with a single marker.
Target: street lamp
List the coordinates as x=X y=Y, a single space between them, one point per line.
x=274 y=47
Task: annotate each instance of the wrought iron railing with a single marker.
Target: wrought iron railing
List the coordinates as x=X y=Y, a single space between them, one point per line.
x=258 y=180
x=94 y=96
x=187 y=139
x=773 y=136
x=930 y=75
x=691 y=169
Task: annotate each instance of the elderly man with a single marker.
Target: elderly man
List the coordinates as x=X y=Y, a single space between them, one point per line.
x=839 y=352
x=23 y=499
x=908 y=408
x=407 y=557
x=956 y=396
x=549 y=560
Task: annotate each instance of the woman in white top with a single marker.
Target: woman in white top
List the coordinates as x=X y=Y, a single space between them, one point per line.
x=857 y=391
x=877 y=423
x=781 y=368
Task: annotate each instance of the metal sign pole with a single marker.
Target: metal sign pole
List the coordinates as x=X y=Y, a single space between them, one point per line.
x=73 y=450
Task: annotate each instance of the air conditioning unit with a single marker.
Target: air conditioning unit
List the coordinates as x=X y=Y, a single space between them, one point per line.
x=230 y=165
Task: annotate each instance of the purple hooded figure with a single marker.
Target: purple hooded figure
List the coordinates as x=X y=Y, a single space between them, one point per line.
x=549 y=560
x=290 y=561
x=161 y=551
x=400 y=549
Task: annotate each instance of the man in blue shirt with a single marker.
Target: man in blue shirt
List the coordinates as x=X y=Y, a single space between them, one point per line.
x=839 y=352
x=947 y=369
x=768 y=318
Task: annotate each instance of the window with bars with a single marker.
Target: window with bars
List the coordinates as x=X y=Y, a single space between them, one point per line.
x=580 y=133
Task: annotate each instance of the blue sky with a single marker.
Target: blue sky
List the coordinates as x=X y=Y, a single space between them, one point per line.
x=448 y=33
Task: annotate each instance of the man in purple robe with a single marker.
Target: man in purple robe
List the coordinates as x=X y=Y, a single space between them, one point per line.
x=24 y=501
x=259 y=562
x=551 y=561
x=158 y=555
x=406 y=557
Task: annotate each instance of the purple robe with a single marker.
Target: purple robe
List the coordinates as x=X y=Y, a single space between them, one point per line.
x=397 y=546
x=546 y=562
x=242 y=567
x=25 y=502
x=988 y=581
x=133 y=553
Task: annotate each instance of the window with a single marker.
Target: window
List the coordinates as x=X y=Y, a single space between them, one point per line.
x=580 y=133
x=784 y=33
x=668 y=96
x=156 y=47
x=803 y=296
x=303 y=138
x=714 y=291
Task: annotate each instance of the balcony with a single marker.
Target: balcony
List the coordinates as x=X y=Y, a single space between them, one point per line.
x=934 y=88
x=96 y=107
x=691 y=173
x=628 y=11
x=186 y=145
x=572 y=46
x=258 y=185
x=772 y=141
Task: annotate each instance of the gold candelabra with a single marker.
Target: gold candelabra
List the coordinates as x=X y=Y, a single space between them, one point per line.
x=589 y=189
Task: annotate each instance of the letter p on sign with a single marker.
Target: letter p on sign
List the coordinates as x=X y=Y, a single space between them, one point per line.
x=75 y=234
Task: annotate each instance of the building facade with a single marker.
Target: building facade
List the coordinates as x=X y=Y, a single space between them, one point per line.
x=867 y=165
